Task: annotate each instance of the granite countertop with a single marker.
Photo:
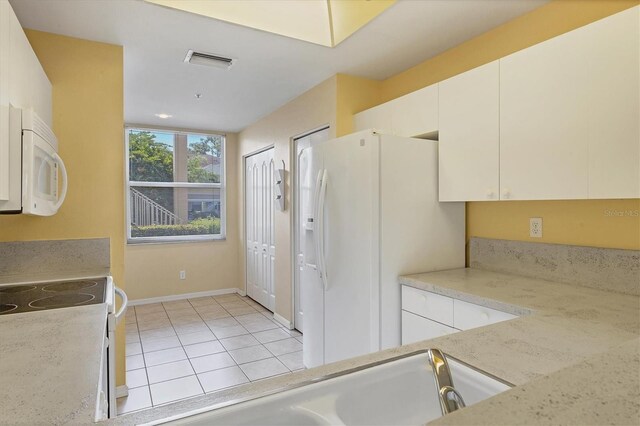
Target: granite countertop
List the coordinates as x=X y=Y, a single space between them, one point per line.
x=50 y=365
x=559 y=352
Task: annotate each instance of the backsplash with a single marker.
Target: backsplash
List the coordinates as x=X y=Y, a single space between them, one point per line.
x=56 y=259
x=600 y=268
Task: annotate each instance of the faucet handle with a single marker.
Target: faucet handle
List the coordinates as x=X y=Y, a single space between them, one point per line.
x=452 y=398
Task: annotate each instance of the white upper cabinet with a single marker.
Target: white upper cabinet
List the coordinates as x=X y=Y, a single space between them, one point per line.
x=614 y=113
x=378 y=118
x=544 y=96
x=559 y=120
x=469 y=135
x=412 y=115
x=23 y=84
x=569 y=115
x=30 y=87
x=415 y=114
x=5 y=46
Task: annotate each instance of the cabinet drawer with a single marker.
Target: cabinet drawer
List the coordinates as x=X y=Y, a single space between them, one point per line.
x=416 y=328
x=428 y=305
x=467 y=315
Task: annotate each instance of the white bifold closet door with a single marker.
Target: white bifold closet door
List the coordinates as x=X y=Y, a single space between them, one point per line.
x=260 y=229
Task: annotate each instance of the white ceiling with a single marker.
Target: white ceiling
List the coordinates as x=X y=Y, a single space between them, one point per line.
x=271 y=69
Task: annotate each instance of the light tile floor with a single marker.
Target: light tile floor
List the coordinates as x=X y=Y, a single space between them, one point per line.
x=185 y=348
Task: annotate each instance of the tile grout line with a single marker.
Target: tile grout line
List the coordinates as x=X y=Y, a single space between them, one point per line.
x=204 y=392
x=208 y=327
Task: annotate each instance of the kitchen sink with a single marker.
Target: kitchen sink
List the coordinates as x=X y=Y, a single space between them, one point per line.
x=399 y=391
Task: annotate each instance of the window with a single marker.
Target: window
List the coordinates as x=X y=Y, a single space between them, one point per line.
x=175 y=186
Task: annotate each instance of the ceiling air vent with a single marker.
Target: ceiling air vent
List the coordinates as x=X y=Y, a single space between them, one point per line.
x=208 y=59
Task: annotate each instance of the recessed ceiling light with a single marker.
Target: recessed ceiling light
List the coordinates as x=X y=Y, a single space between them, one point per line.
x=164 y=116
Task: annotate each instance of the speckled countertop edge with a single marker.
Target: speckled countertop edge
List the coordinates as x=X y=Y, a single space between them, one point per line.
x=543 y=341
x=50 y=365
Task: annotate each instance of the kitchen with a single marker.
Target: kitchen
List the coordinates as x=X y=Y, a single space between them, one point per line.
x=580 y=196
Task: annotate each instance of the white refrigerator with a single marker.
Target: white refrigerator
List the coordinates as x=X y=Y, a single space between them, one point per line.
x=372 y=214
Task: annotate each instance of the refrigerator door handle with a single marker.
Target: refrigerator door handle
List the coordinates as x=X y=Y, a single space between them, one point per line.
x=316 y=228
x=321 y=201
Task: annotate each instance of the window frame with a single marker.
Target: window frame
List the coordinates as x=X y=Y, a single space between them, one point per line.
x=221 y=186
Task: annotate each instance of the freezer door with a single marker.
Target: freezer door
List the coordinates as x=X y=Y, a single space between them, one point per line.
x=311 y=290
x=350 y=242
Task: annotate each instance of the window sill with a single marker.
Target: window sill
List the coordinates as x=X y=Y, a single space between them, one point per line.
x=174 y=240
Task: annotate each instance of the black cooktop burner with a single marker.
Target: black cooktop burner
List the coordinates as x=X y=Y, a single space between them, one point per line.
x=17 y=289
x=69 y=286
x=7 y=307
x=37 y=297
x=62 y=300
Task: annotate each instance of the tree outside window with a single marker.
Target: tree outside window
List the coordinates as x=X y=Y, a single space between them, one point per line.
x=175 y=185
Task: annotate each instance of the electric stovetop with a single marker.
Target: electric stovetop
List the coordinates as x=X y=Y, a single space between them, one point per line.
x=52 y=295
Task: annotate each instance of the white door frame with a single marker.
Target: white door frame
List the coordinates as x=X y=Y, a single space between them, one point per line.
x=293 y=203
x=244 y=208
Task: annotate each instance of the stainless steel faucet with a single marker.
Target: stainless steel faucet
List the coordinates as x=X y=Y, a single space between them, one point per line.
x=450 y=398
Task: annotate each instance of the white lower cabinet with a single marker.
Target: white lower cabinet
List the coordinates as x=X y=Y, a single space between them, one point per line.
x=416 y=328
x=428 y=305
x=427 y=315
x=468 y=315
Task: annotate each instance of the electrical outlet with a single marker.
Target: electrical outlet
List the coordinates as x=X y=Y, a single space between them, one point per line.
x=183 y=275
x=535 y=227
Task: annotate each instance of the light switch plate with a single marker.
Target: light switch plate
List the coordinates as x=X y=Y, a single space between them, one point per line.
x=535 y=227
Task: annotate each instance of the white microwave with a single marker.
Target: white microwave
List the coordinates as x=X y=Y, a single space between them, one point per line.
x=34 y=166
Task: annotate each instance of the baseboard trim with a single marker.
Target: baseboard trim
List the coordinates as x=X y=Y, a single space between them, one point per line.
x=122 y=391
x=185 y=296
x=282 y=320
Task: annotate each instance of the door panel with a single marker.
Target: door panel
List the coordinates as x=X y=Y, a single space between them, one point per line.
x=260 y=238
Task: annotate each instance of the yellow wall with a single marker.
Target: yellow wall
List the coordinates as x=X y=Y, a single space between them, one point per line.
x=153 y=269
x=554 y=18
x=354 y=94
x=596 y=223
x=567 y=222
x=88 y=120
x=313 y=109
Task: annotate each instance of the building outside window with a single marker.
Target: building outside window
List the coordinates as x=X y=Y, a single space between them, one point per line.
x=175 y=186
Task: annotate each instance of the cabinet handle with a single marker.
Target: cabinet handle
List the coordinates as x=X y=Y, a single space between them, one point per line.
x=506 y=193
x=489 y=193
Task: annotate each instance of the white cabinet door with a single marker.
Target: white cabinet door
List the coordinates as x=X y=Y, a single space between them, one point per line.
x=544 y=111
x=5 y=46
x=614 y=122
x=437 y=307
x=469 y=135
x=416 y=114
x=468 y=315
x=416 y=328
x=412 y=115
x=378 y=118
